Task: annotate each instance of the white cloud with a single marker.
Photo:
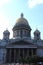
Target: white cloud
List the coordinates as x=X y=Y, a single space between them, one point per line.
x=33 y=3
x=2 y=2
x=4 y=23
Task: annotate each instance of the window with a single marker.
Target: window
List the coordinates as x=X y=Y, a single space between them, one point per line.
x=21 y=33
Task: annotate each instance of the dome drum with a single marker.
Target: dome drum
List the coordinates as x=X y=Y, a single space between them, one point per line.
x=22 y=27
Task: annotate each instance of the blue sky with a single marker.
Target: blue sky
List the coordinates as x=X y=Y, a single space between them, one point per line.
x=10 y=10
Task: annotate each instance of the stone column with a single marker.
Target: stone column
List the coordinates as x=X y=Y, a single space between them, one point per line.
x=23 y=52
x=32 y=52
x=14 y=54
x=19 y=53
x=27 y=52
x=4 y=55
x=10 y=55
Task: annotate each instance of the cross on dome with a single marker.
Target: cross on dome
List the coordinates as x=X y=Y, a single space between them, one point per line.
x=21 y=15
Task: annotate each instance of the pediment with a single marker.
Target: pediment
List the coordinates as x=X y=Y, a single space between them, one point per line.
x=20 y=44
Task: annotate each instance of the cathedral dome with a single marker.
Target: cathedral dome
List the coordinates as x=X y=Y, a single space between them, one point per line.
x=21 y=28
x=22 y=20
x=21 y=23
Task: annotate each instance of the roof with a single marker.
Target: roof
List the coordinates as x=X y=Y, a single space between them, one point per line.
x=6 y=32
x=37 y=31
x=21 y=22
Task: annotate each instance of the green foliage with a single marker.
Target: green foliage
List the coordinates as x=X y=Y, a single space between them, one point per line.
x=31 y=59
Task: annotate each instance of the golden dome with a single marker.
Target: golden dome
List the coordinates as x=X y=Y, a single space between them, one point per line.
x=21 y=20
x=21 y=23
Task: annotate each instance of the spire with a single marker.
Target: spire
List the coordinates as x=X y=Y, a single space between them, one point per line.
x=21 y=15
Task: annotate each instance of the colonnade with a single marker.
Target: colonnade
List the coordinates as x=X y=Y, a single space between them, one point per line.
x=14 y=54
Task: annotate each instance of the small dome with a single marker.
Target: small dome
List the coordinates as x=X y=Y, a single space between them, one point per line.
x=37 y=31
x=22 y=22
x=6 y=32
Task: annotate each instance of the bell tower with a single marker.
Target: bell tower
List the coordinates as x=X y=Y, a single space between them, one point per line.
x=37 y=34
x=6 y=35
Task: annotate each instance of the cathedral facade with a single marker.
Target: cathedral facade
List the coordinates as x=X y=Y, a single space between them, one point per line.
x=21 y=45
